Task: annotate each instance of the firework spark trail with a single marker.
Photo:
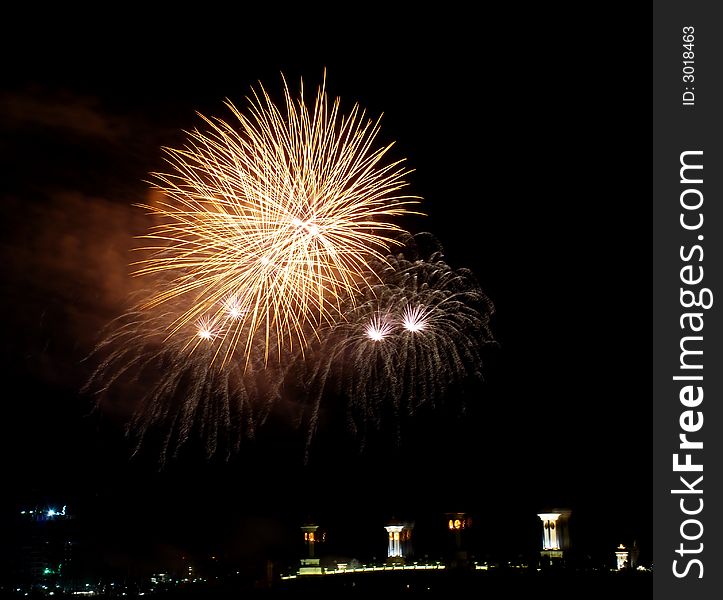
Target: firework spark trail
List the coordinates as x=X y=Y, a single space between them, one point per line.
x=415 y=334
x=181 y=395
x=282 y=210
x=419 y=330
x=275 y=231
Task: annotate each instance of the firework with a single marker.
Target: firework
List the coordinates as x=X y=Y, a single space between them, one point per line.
x=175 y=393
x=420 y=330
x=270 y=222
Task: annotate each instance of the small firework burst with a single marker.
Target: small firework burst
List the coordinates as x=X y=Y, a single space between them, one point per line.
x=418 y=331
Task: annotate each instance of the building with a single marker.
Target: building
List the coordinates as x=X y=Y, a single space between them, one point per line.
x=626 y=558
x=46 y=543
x=555 y=535
x=399 y=537
x=458 y=524
x=310 y=563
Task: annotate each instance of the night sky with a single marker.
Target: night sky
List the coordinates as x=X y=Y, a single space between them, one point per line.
x=522 y=179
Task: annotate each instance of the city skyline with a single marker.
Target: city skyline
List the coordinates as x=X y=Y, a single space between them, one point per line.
x=448 y=540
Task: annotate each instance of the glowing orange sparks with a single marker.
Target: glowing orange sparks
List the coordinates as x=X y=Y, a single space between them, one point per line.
x=280 y=211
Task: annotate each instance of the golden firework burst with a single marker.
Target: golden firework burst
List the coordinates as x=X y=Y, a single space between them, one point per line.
x=269 y=222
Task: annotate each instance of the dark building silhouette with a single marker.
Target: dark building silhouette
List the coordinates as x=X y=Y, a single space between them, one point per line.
x=45 y=545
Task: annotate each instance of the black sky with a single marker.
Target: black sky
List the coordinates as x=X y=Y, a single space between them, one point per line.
x=526 y=163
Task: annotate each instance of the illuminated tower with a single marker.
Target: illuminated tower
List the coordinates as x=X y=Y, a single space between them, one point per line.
x=309 y=538
x=621 y=556
x=400 y=541
x=555 y=538
x=457 y=524
x=310 y=564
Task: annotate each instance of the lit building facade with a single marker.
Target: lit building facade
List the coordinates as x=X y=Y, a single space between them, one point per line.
x=310 y=564
x=626 y=557
x=310 y=533
x=621 y=557
x=458 y=524
x=399 y=537
x=555 y=534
